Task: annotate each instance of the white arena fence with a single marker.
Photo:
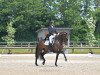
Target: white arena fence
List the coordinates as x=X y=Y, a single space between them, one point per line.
x=32 y=45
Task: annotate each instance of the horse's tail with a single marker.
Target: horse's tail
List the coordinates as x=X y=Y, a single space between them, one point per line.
x=37 y=52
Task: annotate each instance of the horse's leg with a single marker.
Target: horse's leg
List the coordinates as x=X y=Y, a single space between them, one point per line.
x=42 y=56
x=56 y=59
x=36 y=61
x=36 y=55
x=64 y=55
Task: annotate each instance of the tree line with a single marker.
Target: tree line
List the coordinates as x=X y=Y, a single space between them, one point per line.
x=20 y=19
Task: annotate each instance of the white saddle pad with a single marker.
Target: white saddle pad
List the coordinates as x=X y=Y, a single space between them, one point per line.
x=46 y=42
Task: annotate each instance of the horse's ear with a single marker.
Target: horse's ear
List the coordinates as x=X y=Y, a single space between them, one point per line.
x=65 y=33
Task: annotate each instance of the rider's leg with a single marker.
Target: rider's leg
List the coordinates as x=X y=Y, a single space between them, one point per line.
x=47 y=37
x=51 y=39
x=50 y=42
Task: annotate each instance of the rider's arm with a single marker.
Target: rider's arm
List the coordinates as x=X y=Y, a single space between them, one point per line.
x=50 y=30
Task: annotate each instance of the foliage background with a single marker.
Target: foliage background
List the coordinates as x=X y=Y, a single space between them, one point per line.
x=30 y=15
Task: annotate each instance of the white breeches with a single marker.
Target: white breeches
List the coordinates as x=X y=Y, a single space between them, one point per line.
x=51 y=38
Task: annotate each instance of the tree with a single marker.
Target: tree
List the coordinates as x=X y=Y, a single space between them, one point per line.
x=97 y=29
x=31 y=15
x=10 y=37
x=28 y=12
x=91 y=28
x=70 y=17
x=87 y=14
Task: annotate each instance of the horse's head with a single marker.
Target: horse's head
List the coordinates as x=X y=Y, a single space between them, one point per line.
x=63 y=37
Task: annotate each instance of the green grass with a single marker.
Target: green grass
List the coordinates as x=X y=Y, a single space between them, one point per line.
x=28 y=51
x=84 y=51
x=17 y=51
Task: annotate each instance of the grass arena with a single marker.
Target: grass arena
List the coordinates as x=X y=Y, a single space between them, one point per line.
x=23 y=64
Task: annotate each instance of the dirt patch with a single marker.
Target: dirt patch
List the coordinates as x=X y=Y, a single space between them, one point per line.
x=24 y=65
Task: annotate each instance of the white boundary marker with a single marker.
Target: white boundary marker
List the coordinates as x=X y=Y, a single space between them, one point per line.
x=46 y=55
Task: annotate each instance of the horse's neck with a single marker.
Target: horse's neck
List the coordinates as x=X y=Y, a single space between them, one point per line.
x=57 y=38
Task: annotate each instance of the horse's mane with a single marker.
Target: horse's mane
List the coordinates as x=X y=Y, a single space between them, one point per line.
x=61 y=36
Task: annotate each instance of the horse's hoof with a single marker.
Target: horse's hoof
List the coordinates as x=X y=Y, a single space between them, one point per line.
x=65 y=59
x=43 y=63
x=56 y=65
x=36 y=64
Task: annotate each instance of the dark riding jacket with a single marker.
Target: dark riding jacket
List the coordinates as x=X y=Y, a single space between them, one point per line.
x=52 y=30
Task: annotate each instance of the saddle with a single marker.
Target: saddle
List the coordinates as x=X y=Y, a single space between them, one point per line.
x=47 y=41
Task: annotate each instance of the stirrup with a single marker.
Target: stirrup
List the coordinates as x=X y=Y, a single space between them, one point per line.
x=50 y=44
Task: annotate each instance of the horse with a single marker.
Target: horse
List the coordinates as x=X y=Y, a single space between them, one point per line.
x=57 y=47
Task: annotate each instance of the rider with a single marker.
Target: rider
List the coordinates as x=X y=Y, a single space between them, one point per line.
x=52 y=32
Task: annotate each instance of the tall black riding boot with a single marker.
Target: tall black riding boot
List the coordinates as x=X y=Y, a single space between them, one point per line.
x=50 y=47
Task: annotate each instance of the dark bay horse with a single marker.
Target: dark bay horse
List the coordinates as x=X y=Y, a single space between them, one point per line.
x=57 y=47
